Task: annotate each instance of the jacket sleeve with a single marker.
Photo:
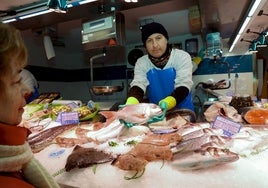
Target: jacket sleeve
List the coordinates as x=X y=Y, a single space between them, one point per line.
x=182 y=63
x=142 y=66
x=180 y=93
x=136 y=92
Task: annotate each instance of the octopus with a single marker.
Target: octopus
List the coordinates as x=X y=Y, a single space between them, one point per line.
x=153 y=147
x=70 y=142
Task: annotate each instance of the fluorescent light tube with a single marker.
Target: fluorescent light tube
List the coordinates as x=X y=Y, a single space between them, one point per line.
x=35 y=14
x=86 y=1
x=9 y=20
x=254 y=7
x=245 y=23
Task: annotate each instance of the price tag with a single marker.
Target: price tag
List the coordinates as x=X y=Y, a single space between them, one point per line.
x=67 y=118
x=228 y=126
x=57 y=153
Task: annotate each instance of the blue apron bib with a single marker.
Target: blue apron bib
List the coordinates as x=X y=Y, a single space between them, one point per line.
x=161 y=85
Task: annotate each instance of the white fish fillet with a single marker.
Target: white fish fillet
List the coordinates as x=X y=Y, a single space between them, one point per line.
x=111 y=131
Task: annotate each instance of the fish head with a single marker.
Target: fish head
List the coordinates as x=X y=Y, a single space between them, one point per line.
x=222 y=154
x=148 y=109
x=154 y=110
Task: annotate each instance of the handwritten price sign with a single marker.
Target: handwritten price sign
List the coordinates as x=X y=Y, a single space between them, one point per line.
x=228 y=126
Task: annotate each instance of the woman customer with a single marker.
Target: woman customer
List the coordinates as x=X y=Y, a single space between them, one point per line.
x=165 y=73
x=18 y=167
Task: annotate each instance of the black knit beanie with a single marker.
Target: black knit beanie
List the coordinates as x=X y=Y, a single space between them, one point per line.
x=152 y=28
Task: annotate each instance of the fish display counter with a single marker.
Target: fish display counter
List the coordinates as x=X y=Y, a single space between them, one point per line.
x=250 y=170
x=122 y=149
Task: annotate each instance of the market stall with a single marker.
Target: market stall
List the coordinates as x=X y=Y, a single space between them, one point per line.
x=184 y=154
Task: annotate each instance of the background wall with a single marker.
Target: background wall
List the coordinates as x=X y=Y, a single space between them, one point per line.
x=73 y=64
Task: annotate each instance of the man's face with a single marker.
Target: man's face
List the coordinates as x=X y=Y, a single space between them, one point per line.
x=156 y=45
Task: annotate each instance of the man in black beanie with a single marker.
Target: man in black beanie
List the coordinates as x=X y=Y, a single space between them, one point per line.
x=165 y=73
x=152 y=28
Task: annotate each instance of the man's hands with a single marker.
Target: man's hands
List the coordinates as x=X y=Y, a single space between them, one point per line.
x=167 y=103
x=130 y=100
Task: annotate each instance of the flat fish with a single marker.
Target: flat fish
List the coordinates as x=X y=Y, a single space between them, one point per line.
x=136 y=114
x=203 y=158
x=84 y=157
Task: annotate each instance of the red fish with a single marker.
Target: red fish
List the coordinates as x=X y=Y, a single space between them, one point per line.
x=136 y=114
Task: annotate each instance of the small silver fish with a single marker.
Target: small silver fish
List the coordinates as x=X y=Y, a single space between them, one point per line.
x=203 y=158
x=136 y=114
x=202 y=132
x=188 y=128
x=199 y=142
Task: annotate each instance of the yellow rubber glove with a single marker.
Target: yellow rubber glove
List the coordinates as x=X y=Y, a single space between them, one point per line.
x=197 y=60
x=132 y=100
x=170 y=102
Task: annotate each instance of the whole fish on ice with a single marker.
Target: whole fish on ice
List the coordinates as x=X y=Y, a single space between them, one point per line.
x=203 y=158
x=137 y=114
x=199 y=143
x=84 y=157
x=203 y=132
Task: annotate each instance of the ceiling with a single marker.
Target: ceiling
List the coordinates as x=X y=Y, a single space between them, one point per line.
x=217 y=15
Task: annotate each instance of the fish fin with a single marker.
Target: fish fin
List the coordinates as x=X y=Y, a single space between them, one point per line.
x=77 y=147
